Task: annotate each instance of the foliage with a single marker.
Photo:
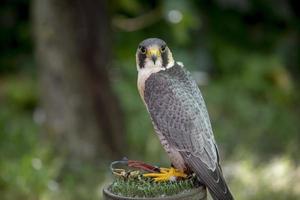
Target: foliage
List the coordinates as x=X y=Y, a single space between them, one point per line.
x=249 y=51
x=145 y=187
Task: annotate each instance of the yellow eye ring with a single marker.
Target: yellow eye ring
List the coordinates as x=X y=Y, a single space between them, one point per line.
x=163 y=49
x=142 y=49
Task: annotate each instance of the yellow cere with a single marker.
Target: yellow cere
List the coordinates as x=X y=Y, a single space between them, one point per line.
x=153 y=51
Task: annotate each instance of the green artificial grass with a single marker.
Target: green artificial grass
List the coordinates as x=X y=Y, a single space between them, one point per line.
x=141 y=186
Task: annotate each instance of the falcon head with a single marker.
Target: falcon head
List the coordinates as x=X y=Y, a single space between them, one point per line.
x=153 y=53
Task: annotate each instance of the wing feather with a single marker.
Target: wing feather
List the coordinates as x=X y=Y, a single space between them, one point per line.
x=178 y=111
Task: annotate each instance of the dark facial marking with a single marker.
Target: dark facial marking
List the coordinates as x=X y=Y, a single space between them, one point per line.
x=165 y=59
x=142 y=58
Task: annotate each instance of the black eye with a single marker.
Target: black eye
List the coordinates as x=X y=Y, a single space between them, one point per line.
x=163 y=48
x=142 y=49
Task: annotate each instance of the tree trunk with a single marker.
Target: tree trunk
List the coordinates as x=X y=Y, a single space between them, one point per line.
x=73 y=47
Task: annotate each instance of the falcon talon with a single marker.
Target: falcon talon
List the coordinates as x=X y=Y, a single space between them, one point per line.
x=166 y=174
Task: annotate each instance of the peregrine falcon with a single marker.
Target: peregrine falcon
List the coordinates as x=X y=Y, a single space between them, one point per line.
x=179 y=116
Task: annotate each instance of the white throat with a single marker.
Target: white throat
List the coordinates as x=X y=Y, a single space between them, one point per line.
x=170 y=64
x=143 y=75
x=150 y=68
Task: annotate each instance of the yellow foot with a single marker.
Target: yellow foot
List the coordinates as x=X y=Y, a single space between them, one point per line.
x=166 y=174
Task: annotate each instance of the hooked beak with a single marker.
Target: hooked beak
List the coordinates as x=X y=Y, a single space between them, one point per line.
x=153 y=53
x=154 y=58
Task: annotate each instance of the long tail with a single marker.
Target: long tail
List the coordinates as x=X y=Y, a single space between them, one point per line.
x=214 y=180
x=220 y=195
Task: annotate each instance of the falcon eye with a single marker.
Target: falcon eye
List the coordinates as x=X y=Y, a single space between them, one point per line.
x=142 y=49
x=163 y=49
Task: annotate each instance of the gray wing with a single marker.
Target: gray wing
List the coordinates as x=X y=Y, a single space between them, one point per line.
x=178 y=111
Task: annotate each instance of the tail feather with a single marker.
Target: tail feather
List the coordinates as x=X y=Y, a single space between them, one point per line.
x=217 y=194
x=214 y=180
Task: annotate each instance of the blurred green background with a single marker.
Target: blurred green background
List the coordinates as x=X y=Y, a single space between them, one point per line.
x=244 y=55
